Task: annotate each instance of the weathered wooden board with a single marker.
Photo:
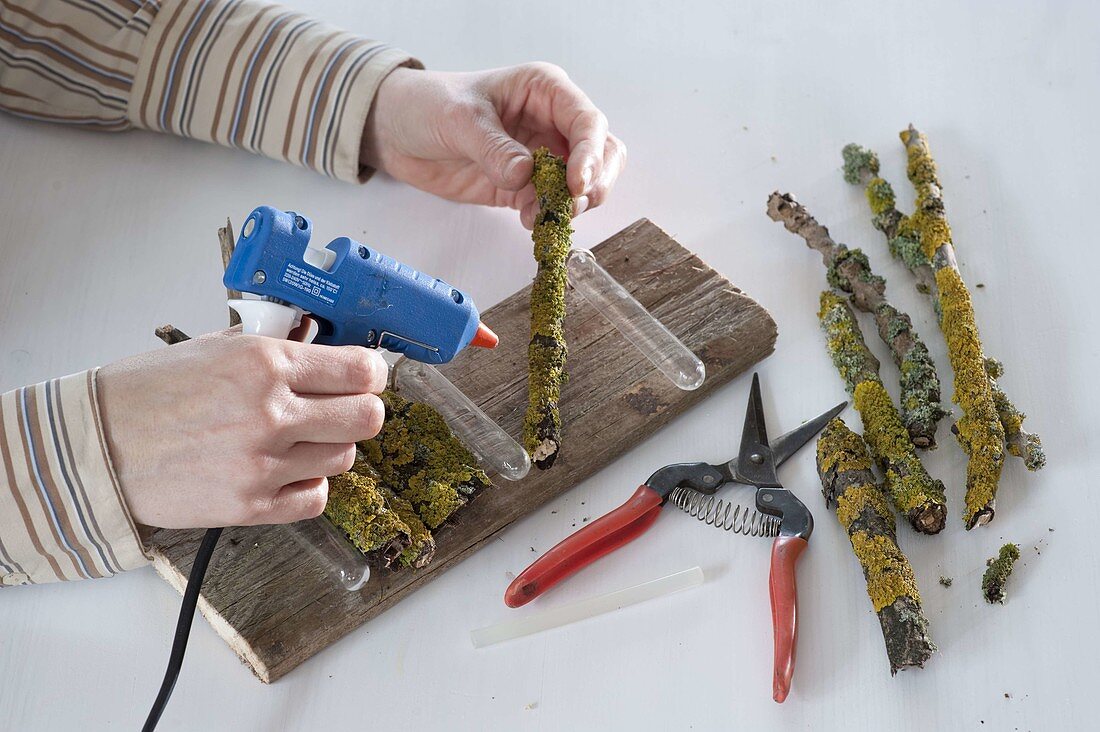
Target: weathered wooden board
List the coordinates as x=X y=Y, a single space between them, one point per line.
x=277 y=607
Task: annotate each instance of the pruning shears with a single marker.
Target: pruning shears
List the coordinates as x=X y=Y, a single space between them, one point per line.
x=691 y=487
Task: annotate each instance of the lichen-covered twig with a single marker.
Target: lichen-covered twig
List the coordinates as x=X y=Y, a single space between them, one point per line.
x=418 y=457
x=1020 y=442
x=849 y=486
x=999 y=569
x=547 y=350
x=849 y=271
x=923 y=242
x=917 y=496
x=861 y=167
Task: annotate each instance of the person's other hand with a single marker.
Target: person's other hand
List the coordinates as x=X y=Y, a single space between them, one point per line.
x=468 y=136
x=231 y=430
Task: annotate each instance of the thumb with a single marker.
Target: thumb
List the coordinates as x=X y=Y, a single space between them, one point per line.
x=504 y=161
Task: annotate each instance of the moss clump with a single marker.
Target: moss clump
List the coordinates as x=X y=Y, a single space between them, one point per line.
x=997 y=574
x=915 y=494
x=979 y=430
x=547 y=351
x=418 y=457
x=405 y=482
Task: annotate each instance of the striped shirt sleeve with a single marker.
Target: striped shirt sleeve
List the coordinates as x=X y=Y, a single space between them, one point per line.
x=62 y=515
x=241 y=73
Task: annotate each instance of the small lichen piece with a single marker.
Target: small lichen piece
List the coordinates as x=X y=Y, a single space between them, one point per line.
x=998 y=572
x=547 y=350
x=946 y=581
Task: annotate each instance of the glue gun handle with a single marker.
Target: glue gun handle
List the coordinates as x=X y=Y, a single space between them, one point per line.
x=578 y=550
x=784 y=596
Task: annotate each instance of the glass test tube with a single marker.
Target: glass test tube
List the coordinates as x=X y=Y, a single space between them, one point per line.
x=331 y=548
x=638 y=325
x=493 y=447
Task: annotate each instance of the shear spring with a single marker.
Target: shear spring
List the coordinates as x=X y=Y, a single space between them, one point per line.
x=724 y=514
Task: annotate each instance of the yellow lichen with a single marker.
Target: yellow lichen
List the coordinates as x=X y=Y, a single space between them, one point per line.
x=888 y=573
x=980 y=431
x=908 y=483
x=852 y=502
x=880 y=195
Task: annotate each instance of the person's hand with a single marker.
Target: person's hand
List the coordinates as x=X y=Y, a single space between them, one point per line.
x=231 y=430
x=468 y=136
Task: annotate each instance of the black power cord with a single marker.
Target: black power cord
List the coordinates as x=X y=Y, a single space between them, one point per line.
x=183 y=626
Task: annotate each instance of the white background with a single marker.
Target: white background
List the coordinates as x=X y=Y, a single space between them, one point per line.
x=104 y=237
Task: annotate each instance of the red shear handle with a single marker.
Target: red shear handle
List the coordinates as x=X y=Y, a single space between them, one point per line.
x=578 y=550
x=784 y=593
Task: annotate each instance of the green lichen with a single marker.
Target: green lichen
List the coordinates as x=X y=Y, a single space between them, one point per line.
x=844 y=259
x=547 y=351
x=858 y=162
x=889 y=574
x=1020 y=442
x=908 y=249
x=845 y=342
x=979 y=430
x=997 y=574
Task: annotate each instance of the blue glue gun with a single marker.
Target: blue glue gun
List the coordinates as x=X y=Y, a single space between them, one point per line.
x=356 y=294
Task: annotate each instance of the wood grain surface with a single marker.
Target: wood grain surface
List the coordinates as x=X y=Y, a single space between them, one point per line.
x=276 y=606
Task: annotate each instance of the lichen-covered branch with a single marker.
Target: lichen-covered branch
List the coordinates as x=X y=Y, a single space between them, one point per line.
x=979 y=430
x=418 y=457
x=1020 y=442
x=849 y=270
x=547 y=351
x=849 y=486
x=997 y=574
x=923 y=241
x=917 y=496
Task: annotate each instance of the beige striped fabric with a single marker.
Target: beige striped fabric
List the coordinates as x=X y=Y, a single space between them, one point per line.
x=62 y=515
x=239 y=73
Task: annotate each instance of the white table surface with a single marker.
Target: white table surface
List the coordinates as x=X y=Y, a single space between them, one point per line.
x=105 y=237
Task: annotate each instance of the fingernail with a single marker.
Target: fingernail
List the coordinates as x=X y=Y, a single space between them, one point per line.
x=586 y=177
x=581 y=205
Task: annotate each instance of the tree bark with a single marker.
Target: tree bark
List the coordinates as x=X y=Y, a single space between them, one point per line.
x=547 y=350
x=849 y=271
x=849 y=487
x=917 y=496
